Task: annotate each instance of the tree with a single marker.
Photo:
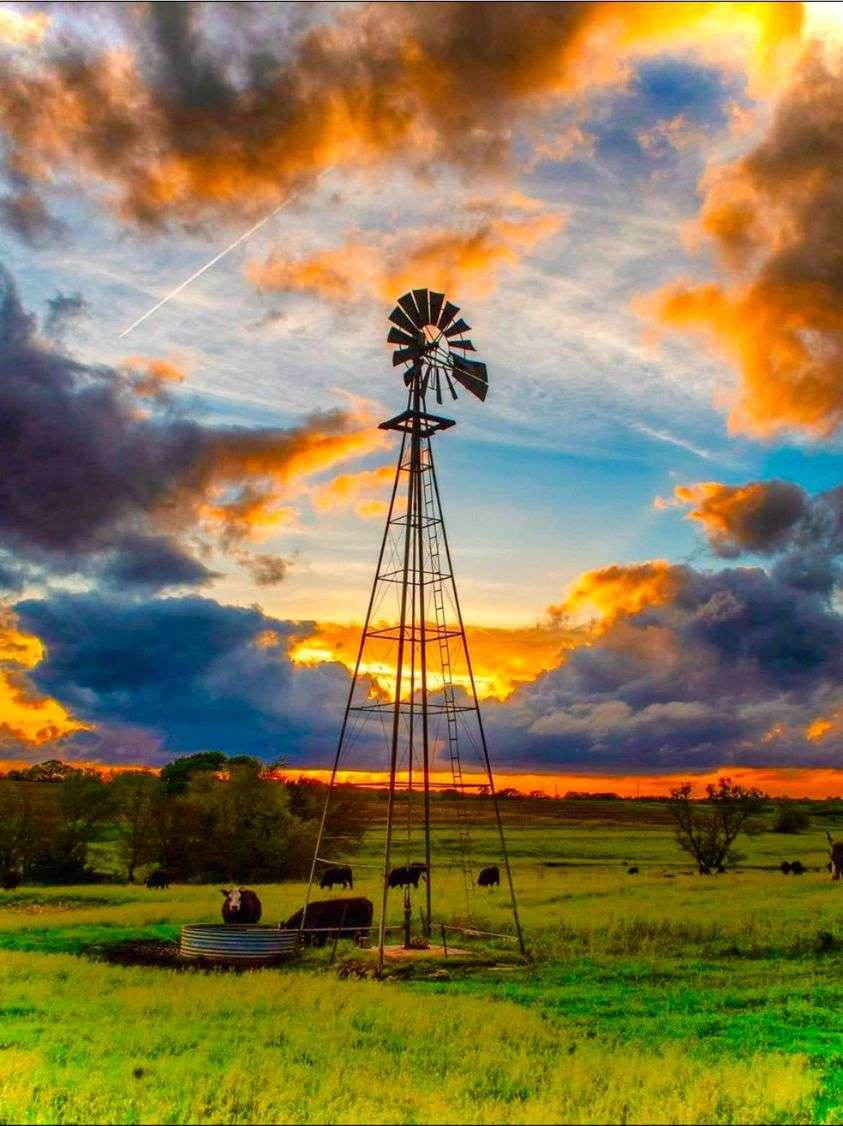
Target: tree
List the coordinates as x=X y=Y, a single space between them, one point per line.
x=177 y=774
x=708 y=829
x=133 y=798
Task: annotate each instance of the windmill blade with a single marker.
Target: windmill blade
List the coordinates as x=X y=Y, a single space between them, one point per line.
x=411 y=309
x=425 y=382
x=421 y=301
x=400 y=318
x=438 y=385
x=435 y=303
x=447 y=315
x=472 y=375
x=466 y=344
x=457 y=328
x=396 y=336
x=451 y=387
x=404 y=354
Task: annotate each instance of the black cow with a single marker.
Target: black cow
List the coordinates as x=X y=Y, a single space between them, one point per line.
x=797 y=868
x=835 y=863
x=158 y=879
x=489 y=877
x=785 y=867
x=11 y=879
x=351 y=917
x=241 y=905
x=339 y=875
x=632 y=871
x=409 y=874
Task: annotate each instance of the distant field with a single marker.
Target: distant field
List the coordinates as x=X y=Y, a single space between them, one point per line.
x=662 y=997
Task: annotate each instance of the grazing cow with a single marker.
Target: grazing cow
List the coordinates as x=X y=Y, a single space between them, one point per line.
x=797 y=868
x=241 y=905
x=489 y=877
x=785 y=867
x=339 y=875
x=632 y=871
x=835 y=861
x=404 y=877
x=158 y=879
x=11 y=879
x=351 y=917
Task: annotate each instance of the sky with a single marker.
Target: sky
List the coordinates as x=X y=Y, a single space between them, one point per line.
x=638 y=209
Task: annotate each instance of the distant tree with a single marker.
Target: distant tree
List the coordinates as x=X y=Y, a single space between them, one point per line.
x=133 y=799
x=789 y=818
x=708 y=829
x=176 y=775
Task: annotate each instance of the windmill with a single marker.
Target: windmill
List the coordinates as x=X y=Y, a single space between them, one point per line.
x=413 y=695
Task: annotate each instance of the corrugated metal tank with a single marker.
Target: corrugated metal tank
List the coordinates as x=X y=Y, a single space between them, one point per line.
x=237 y=944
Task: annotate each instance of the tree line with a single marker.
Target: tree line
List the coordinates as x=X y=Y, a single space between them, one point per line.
x=202 y=818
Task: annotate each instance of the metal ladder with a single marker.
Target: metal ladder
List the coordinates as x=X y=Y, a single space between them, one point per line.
x=437 y=587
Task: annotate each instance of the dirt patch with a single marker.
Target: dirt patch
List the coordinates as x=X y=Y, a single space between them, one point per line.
x=141 y=952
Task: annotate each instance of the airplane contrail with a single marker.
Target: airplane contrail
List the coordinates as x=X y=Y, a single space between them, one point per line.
x=222 y=254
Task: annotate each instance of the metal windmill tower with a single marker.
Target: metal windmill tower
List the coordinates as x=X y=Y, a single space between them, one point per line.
x=413 y=692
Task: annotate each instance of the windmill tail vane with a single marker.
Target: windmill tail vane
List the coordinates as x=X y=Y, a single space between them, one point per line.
x=424 y=718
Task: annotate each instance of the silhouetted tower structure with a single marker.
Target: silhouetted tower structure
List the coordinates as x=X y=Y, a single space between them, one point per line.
x=412 y=706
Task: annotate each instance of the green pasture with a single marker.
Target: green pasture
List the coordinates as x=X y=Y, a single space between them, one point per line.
x=661 y=997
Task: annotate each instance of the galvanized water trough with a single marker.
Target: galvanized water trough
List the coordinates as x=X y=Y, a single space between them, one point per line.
x=237 y=944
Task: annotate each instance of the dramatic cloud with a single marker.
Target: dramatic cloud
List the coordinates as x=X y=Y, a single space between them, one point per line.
x=28 y=718
x=183 y=674
x=774 y=518
x=364 y=493
x=732 y=668
x=89 y=482
x=760 y=516
x=463 y=260
x=502 y=658
x=776 y=216
x=217 y=113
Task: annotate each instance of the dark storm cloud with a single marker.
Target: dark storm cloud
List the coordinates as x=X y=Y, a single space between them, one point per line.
x=205 y=111
x=183 y=674
x=731 y=668
x=88 y=479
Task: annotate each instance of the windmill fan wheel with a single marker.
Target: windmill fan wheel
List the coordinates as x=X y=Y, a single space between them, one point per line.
x=431 y=342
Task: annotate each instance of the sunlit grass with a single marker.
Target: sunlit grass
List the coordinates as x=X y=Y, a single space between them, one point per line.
x=87 y=1042
x=649 y=999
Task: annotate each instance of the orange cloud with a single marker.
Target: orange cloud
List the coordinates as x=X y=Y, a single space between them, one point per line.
x=416 y=85
x=759 y=516
x=817 y=729
x=776 y=216
x=26 y=716
x=603 y=596
x=463 y=260
x=151 y=377
x=501 y=658
x=362 y=492
x=237 y=488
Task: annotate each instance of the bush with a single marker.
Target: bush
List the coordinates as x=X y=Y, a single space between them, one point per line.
x=790 y=819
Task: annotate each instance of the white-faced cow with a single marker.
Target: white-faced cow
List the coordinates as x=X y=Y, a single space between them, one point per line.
x=339 y=875
x=835 y=861
x=241 y=905
x=489 y=877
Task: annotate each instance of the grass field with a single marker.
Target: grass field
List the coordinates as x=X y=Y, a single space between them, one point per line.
x=662 y=997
